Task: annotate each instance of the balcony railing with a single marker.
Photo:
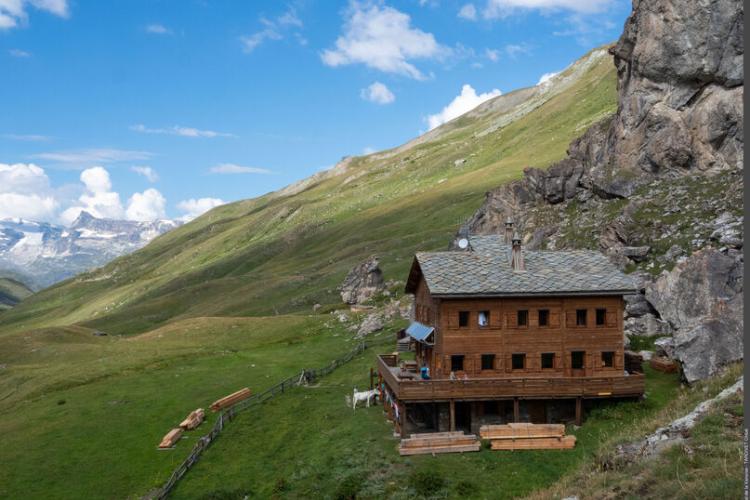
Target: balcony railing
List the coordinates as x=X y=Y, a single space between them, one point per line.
x=631 y=385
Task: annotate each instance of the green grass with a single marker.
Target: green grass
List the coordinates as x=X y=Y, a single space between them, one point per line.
x=81 y=415
x=311 y=444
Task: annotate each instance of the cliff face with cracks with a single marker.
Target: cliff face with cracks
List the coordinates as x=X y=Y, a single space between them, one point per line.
x=660 y=180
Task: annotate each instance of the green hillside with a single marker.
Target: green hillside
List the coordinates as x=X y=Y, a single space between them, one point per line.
x=285 y=251
x=226 y=302
x=12 y=292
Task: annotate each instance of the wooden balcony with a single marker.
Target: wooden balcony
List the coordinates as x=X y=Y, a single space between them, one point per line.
x=476 y=389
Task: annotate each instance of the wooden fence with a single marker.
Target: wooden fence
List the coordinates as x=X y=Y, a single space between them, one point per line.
x=228 y=414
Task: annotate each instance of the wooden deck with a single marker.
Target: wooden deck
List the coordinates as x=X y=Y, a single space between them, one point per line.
x=478 y=389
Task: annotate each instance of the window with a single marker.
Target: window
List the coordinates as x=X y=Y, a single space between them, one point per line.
x=608 y=359
x=601 y=317
x=580 y=317
x=463 y=318
x=543 y=317
x=523 y=318
x=457 y=362
x=488 y=361
x=548 y=360
x=576 y=359
x=518 y=361
x=483 y=318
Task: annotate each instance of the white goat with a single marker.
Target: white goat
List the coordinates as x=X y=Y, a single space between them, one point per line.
x=363 y=396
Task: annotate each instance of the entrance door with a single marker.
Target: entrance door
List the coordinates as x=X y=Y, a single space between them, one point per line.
x=578 y=363
x=463 y=416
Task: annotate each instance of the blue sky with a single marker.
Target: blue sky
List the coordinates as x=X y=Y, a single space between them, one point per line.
x=215 y=101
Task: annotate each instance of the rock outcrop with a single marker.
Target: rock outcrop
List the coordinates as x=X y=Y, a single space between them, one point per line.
x=363 y=282
x=702 y=299
x=658 y=180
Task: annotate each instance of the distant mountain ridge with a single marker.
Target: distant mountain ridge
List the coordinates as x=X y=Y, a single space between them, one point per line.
x=41 y=254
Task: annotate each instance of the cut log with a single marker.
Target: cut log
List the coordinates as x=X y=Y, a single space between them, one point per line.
x=428 y=450
x=561 y=443
x=193 y=420
x=171 y=438
x=232 y=399
x=521 y=430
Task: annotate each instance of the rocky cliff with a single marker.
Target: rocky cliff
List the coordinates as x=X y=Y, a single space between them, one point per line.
x=659 y=183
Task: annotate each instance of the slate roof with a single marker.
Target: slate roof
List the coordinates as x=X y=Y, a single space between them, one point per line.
x=485 y=269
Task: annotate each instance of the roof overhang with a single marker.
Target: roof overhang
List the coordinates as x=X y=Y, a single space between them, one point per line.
x=420 y=333
x=415 y=275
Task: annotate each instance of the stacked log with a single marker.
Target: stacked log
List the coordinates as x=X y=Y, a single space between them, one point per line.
x=230 y=400
x=527 y=436
x=171 y=438
x=193 y=420
x=662 y=364
x=439 y=442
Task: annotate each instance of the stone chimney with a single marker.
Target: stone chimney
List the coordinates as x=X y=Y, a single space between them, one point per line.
x=508 y=230
x=516 y=254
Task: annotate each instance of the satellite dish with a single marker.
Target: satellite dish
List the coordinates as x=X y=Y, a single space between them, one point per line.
x=463 y=243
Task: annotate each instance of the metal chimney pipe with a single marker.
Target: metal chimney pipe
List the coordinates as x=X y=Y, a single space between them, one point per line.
x=508 y=230
x=516 y=254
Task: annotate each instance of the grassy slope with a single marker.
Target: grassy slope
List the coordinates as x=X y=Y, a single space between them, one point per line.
x=284 y=253
x=12 y=292
x=81 y=415
x=339 y=453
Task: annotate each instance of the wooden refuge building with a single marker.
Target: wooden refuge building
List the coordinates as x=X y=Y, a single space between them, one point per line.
x=506 y=335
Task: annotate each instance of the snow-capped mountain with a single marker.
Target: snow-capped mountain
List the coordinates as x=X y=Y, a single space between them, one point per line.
x=44 y=253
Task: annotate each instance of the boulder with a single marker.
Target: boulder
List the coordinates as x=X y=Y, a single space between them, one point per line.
x=363 y=282
x=702 y=299
x=373 y=322
x=664 y=347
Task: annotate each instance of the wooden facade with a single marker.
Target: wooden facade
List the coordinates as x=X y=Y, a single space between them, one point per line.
x=596 y=335
x=514 y=353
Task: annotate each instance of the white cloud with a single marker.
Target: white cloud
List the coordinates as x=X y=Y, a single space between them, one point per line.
x=274 y=30
x=468 y=12
x=147 y=172
x=180 y=131
x=231 y=168
x=514 y=49
x=382 y=38
x=146 y=206
x=25 y=192
x=368 y=150
x=21 y=54
x=14 y=12
x=195 y=207
x=547 y=77
x=377 y=93
x=97 y=199
x=492 y=54
x=93 y=156
x=26 y=137
x=504 y=8
x=158 y=29
x=466 y=101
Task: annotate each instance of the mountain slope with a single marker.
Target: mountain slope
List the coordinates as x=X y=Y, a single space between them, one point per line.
x=12 y=292
x=45 y=253
x=285 y=251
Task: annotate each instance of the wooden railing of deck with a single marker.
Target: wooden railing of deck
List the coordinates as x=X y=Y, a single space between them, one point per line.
x=529 y=388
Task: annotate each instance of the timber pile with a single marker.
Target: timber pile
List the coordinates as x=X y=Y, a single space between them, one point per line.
x=193 y=420
x=526 y=436
x=233 y=398
x=171 y=438
x=439 y=442
x=662 y=364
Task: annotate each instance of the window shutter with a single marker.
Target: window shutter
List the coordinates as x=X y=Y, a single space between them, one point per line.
x=452 y=319
x=570 y=319
x=512 y=319
x=554 y=319
x=611 y=318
